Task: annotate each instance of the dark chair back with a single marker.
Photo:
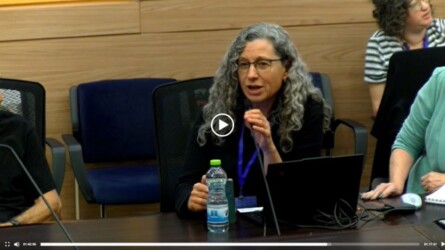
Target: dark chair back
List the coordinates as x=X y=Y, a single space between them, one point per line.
x=114 y=119
x=323 y=82
x=176 y=106
x=27 y=99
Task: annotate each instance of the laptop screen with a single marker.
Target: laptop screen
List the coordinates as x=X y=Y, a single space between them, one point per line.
x=303 y=190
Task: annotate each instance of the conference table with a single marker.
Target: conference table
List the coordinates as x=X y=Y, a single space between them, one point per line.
x=168 y=231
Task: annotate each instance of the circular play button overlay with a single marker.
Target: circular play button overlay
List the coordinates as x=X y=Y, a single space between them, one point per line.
x=222 y=125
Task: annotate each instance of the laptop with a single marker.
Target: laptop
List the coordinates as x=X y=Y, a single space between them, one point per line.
x=305 y=192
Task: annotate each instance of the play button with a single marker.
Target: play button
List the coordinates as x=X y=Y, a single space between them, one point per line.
x=222 y=125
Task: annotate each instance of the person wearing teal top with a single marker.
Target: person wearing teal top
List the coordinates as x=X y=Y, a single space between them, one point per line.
x=418 y=153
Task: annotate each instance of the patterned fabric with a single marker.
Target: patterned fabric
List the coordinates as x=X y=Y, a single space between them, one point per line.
x=381 y=47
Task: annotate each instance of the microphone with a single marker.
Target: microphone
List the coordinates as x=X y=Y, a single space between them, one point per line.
x=22 y=165
x=247 y=106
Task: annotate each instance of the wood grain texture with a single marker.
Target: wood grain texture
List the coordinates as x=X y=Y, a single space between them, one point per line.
x=25 y=2
x=199 y=15
x=42 y=2
x=68 y=20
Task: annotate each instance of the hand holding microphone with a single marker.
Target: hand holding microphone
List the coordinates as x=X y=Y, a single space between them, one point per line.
x=259 y=126
x=260 y=130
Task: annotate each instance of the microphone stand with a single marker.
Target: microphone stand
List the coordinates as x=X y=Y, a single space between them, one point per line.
x=269 y=196
x=39 y=191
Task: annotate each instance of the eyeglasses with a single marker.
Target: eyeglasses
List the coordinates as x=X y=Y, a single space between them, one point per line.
x=262 y=65
x=417 y=4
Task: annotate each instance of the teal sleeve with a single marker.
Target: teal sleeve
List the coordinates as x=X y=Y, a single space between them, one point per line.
x=411 y=136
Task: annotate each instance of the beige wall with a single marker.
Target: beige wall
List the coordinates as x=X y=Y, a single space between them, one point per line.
x=66 y=44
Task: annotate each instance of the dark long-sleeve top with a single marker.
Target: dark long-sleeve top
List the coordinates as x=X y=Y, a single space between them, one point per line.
x=16 y=190
x=307 y=142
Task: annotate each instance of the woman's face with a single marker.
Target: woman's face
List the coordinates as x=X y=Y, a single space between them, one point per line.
x=260 y=72
x=419 y=15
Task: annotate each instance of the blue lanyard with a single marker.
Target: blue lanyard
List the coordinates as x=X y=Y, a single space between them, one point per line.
x=425 y=44
x=242 y=175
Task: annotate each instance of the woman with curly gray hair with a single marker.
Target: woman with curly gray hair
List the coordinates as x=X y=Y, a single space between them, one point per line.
x=287 y=115
x=403 y=25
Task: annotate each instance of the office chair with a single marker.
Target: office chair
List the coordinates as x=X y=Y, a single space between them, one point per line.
x=323 y=82
x=112 y=125
x=407 y=72
x=27 y=98
x=175 y=108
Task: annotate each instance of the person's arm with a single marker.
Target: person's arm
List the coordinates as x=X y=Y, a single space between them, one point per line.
x=34 y=160
x=376 y=67
x=39 y=212
x=399 y=166
x=376 y=93
x=271 y=156
x=190 y=182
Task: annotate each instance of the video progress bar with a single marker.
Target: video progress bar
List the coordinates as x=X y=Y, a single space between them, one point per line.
x=376 y=244
x=223 y=244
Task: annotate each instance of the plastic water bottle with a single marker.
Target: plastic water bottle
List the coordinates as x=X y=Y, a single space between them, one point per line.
x=217 y=204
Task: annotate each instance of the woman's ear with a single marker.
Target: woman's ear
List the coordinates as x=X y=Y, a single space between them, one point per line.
x=287 y=66
x=285 y=75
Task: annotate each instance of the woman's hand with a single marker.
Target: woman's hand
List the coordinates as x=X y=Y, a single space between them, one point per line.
x=258 y=123
x=432 y=181
x=198 y=197
x=383 y=190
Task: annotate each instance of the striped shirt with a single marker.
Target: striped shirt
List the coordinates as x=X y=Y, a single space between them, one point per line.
x=381 y=47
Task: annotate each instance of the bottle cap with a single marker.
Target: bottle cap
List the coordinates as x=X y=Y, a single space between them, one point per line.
x=215 y=162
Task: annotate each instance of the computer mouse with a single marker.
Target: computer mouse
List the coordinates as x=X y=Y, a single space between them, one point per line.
x=413 y=199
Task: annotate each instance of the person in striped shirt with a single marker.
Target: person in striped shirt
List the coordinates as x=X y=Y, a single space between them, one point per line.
x=403 y=25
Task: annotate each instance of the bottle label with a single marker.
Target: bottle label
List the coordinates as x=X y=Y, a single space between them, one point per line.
x=219 y=183
x=218 y=214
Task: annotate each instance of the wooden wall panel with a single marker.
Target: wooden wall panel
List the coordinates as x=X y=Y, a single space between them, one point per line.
x=68 y=20
x=199 y=15
x=42 y=2
x=342 y=58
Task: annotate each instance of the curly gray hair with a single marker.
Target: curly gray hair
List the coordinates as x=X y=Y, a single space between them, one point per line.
x=225 y=93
